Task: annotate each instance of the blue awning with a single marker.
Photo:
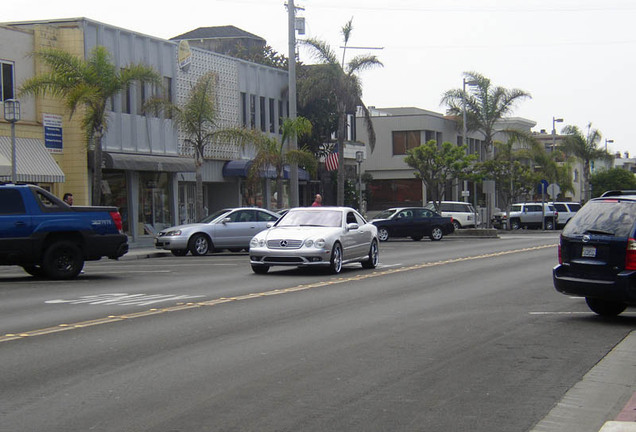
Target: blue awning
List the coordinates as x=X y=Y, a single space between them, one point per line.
x=240 y=168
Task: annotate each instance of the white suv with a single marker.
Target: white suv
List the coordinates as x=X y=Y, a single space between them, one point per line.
x=463 y=213
x=566 y=211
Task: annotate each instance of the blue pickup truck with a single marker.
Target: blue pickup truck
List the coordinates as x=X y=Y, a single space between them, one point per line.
x=49 y=238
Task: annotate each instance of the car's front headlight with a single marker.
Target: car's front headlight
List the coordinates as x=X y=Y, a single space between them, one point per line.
x=257 y=242
x=173 y=233
x=319 y=243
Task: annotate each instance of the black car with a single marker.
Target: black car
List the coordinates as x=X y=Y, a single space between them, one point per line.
x=413 y=222
x=597 y=254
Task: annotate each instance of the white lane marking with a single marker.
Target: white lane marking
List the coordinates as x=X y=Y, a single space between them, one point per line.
x=123 y=299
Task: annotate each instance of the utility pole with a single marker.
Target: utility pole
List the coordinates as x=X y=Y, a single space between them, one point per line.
x=293 y=144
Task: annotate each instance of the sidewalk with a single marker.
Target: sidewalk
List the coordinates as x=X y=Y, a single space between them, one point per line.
x=604 y=400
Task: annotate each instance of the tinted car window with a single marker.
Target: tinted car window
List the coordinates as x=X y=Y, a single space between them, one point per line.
x=561 y=207
x=574 y=207
x=385 y=214
x=11 y=202
x=611 y=217
x=265 y=217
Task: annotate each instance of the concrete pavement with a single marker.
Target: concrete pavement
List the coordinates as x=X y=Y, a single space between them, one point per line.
x=604 y=400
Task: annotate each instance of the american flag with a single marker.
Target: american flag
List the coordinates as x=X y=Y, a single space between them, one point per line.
x=331 y=161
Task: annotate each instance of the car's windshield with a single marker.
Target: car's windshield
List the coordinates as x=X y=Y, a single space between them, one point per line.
x=214 y=215
x=321 y=218
x=612 y=217
x=385 y=214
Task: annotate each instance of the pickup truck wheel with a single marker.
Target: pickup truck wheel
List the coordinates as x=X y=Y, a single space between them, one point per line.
x=436 y=234
x=179 y=252
x=199 y=245
x=62 y=260
x=34 y=270
x=605 y=307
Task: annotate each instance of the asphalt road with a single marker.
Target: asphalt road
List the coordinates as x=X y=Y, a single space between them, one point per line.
x=457 y=335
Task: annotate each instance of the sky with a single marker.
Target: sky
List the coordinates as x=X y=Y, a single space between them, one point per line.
x=577 y=58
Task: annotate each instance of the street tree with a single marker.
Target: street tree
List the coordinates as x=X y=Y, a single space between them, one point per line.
x=436 y=165
x=586 y=149
x=345 y=89
x=612 y=179
x=485 y=104
x=87 y=85
x=199 y=120
x=270 y=152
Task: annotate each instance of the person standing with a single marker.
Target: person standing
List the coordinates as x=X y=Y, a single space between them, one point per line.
x=317 y=201
x=68 y=198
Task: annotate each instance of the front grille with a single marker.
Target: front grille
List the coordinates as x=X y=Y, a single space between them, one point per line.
x=284 y=244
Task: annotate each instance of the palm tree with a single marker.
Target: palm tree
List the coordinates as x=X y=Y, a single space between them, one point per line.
x=90 y=84
x=346 y=89
x=270 y=153
x=485 y=104
x=198 y=119
x=586 y=149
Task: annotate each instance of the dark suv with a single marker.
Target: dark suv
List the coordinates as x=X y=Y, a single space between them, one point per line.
x=597 y=254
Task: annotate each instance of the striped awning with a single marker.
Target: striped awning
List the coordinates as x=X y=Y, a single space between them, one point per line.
x=34 y=163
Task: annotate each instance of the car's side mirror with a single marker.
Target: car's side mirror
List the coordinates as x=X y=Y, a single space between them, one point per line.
x=352 y=226
x=226 y=220
x=269 y=224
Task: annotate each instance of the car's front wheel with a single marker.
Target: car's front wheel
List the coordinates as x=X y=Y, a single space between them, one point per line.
x=436 y=234
x=515 y=224
x=457 y=225
x=383 y=234
x=374 y=256
x=335 y=265
x=199 y=244
x=605 y=307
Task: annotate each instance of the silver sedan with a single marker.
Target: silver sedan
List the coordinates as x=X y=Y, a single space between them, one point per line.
x=316 y=236
x=225 y=229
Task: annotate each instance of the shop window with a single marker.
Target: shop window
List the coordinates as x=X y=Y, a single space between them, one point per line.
x=262 y=113
x=154 y=203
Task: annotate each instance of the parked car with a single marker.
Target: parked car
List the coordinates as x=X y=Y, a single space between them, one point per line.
x=527 y=215
x=316 y=236
x=566 y=211
x=413 y=222
x=463 y=213
x=597 y=254
x=231 y=229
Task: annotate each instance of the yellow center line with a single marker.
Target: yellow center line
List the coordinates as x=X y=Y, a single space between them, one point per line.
x=186 y=306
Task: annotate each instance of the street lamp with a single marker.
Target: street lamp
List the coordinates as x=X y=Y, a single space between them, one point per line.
x=608 y=141
x=12 y=115
x=554 y=121
x=465 y=137
x=359 y=160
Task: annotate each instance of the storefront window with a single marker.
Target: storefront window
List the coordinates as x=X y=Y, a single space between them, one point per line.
x=154 y=203
x=114 y=189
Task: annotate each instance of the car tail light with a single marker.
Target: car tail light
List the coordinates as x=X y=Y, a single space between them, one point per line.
x=116 y=217
x=559 y=253
x=630 y=256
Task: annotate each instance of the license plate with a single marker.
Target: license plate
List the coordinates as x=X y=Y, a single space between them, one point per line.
x=588 y=252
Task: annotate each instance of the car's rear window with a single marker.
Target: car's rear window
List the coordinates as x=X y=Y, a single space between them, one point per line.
x=612 y=217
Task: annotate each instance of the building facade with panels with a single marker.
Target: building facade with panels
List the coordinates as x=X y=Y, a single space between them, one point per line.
x=148 y=170
x=34 y=162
